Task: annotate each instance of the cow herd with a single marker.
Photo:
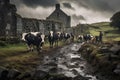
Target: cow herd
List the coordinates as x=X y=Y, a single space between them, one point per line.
x=35 y=40
x=90 y=39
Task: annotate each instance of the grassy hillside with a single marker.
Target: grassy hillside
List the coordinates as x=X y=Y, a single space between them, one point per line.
x=110 y=33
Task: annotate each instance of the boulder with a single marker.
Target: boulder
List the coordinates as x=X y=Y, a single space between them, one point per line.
x=76 y=59
x=3 y=73
x=117 y=70
x=40 y=75
x=115 y=49
x=53 y=70
x=75 y=72
x=105 y=49
x=79 y=77
x=13 y=73
x=51 y=64
x=25 y=75
x=59 y=77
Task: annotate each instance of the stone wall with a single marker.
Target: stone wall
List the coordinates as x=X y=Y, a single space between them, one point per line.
x=7 y=18
x=19 y=25
x=30 y=25
x=47 y=25
x=43 y=26
x=81 y=29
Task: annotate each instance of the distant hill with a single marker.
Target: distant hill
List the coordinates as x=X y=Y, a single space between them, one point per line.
x=110 y=33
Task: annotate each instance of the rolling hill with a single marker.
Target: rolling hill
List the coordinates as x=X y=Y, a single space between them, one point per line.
x=110 y=33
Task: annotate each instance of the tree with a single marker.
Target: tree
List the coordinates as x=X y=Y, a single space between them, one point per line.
x=115 y=20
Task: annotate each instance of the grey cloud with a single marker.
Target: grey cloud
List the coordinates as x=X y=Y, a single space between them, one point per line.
x=78 y=17
x=68 y=5
x=36 y=3
x=98 y=5
x=104 y=8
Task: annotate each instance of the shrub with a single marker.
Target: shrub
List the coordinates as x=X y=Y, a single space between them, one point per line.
x=13 y=40
x=2 y=39
x=2 y=44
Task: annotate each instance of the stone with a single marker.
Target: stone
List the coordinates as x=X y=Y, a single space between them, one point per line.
x=51 y=64
x=75 y=59
x=53 y=70
x=115 y=48
x=39 y=74
x=117 y=69
x=75 y=72
x=79 y=77
x=24 y=76
x=59 y=77
x=3 y=73
x=81 y=67
x=104 y=49
x=13 y=73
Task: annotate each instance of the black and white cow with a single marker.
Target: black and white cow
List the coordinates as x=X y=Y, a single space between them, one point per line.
x=68 y=37
x=34 y=39
x=53 y=38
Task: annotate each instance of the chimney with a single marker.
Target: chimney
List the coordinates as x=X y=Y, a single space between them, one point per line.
x=57 y=6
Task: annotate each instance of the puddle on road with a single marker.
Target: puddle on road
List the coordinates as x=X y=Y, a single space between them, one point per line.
x=69 y=62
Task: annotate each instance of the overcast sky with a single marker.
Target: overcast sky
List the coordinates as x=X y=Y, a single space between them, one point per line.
x=81 y=11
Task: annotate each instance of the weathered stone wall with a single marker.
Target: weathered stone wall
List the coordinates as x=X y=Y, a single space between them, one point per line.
x=19 y=25
x=7 y=18
x=30 y=25
x=46 y=25
x=81 y=29
x=43 y=26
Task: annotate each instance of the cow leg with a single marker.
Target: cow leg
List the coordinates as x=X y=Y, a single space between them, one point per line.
x=57 y=43
x=52 y=43
x=32 y=48
x=38 y=48
x=29 y=47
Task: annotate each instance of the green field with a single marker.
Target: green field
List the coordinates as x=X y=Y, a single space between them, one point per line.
x=17 y=56
x=110 y=33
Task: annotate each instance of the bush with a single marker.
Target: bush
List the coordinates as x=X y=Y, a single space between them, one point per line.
x=2 y=39
x=2 y=44
x=10 y=40
x=13 y=40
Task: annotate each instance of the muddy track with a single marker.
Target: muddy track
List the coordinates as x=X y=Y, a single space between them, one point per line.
x=67 y=61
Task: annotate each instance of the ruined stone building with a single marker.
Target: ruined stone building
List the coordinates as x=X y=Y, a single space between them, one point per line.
x=7 y=18
x=13 y=25
x=30 y=25
x=58 y=21
x=43 y=26
x=59 y=15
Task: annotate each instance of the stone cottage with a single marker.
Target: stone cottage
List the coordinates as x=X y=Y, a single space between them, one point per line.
x=59 y=15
